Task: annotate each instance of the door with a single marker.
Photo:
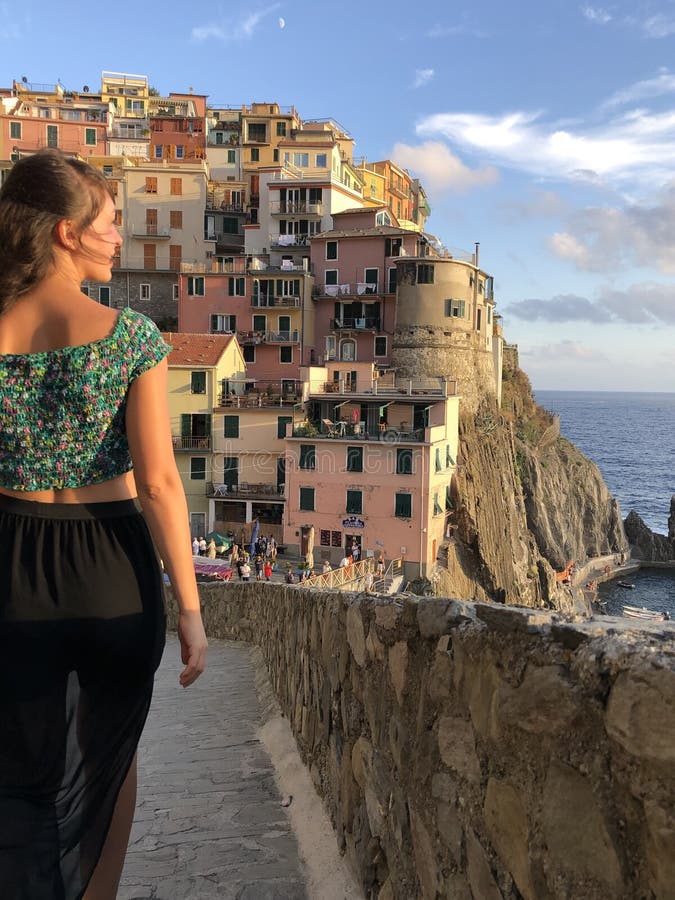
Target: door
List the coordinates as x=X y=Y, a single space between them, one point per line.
x=197 y=524
x=149 y=256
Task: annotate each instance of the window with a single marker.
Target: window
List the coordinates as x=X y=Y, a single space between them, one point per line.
x=438 y=467
x=144 y=291
x=231 y=471
x=403 y=506
x=223 y=323
x=179 y=151
x=52 y=136
x=307 y=499
x=255 y=154
x=15 y=130
x=159 y=150
x=198 y=468
x=281 y=129
x=404 y=461
x=231 y=156
x=230 y=225
x=391 y=286
x=282 y=422
x=321 y=160
x=174 y=291
x=355 y=459
x=301 y=160
x=449 y=461
x=285 y=354
x=149 y=256
x=175 y=256
x=231 y=426
x=175 y=218
x=257 y=131
x=176 y=188
x=489 y=314
x=150 y=184
x=90 y=137
x=307 y=456
x=371 y=280
x=455 y=308
x=355 y=502
x=331 y=249
x=249 y=353
x=438 y=509
x=275 y=155
x=104 y=296
x=479 y=313
x=425 y=273
x=259 y=323
x=380 y=346
x=383 y=218
x=331 y=276
x=236 y=287
x=195 y=285
x=392 y=246
x=198 y=382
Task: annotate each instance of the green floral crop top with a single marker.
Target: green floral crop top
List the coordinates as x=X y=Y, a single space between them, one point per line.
x=62 y=412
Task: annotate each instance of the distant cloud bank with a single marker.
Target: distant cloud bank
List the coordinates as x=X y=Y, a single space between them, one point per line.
x=439 y=169
x=648 y=303
x=422 y=77
x=233 y=29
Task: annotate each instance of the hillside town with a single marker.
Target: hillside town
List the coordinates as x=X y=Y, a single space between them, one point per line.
x=323 y=342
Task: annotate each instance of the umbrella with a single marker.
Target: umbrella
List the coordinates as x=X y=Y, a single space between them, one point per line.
x=219 y=539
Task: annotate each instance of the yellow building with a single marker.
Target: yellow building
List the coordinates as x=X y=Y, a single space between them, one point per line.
x=201 y=366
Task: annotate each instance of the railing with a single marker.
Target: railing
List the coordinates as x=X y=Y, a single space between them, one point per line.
x=149 y=230
x=268 y=337
x=264 y=397
x=342 y=576
x=356 y=323
x=387 y=385
x=180 y=442
x=212 y=266
x=350 y=431
x=290 y=241
x=245 y=489
x=352 y=289
x=268 y=302
x=288 y=208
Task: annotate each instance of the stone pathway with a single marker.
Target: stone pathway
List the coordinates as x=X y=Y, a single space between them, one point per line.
x=209 y=823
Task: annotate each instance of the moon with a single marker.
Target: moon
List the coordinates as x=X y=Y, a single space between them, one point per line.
x=282 y=23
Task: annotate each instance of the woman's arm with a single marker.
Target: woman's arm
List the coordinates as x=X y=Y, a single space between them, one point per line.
x=162 y=498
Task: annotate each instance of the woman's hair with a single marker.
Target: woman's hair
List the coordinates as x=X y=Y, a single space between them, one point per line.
x=39 y=192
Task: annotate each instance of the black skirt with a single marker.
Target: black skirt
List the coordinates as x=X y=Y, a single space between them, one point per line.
x=82 y=632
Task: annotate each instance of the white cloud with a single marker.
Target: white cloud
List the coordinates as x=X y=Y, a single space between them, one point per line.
x=439 y=169
x=663 y=84
x=635 y=145
x=644 y=303
x=596 y=14
x=597 y=238
x=422 y=77
x=563 y=351
x=241 y=29
x=659 y=26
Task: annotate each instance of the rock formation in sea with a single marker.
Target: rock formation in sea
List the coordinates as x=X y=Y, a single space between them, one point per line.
x=526 y=503
x=647 y=544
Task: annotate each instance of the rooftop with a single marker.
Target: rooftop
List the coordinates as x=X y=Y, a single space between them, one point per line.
x=191 y=349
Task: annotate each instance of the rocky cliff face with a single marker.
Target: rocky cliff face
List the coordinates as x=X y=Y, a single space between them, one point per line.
x=648 y=545
x=526 y=503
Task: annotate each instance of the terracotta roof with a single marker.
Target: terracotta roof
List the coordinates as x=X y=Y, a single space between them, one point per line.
x=196 y=349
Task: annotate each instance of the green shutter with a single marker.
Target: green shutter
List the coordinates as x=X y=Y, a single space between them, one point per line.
x=186 y=425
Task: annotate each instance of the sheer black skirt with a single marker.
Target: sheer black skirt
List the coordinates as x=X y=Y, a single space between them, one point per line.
x=81 y=635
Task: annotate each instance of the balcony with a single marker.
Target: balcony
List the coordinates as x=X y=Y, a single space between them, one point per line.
x=290 y=241
x=352 y=289
x=245 y=490
x=268 y=302
x=287 y=208
x=147 y=230
x=214 y=267
x=180 y=442
x=356 y=431
x=261 y=395
x=356 y=324
x=389 y=386
x=268 y=337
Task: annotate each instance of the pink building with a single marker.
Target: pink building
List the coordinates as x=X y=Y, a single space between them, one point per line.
x=354 y=267
x=372 y=465
x=270 y=311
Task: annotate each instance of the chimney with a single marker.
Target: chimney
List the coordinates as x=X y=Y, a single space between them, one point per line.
x=475 y=256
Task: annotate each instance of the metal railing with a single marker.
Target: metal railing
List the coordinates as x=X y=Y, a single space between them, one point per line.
x=245 y=489
x=268 y=302
x=290 y=241
x=289 y=208
x=147 y=229
x=353 y=289
x=180 y=442
x=356 y=323
x=268 y=337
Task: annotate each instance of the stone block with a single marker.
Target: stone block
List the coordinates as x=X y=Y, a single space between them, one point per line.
x=660 y=850
x=641 y=714
x=575 y=830
x=425 y=857
x=398 y=741
x=374 y=646
x=508 y=828
x=544 y=702
x=450 y=830
x=438 y=616
x=386 y=616
x=356 y=635
x=398 y=667
x=457 y=746
x=483 y=885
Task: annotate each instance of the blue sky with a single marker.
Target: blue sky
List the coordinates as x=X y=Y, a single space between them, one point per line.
x=546 y=131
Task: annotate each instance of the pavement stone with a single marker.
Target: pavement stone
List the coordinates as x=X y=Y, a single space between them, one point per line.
x=209 y=824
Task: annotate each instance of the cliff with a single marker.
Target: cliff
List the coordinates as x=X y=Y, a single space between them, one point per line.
x=647 y=544
x=526 y=502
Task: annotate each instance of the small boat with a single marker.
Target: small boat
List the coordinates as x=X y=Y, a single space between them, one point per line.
x=626 y=584
x=641 y=612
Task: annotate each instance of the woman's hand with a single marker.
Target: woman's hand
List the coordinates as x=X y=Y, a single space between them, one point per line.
x=193 y=645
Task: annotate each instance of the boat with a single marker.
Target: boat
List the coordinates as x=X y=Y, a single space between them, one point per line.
x=626 y=584
x=641 y=612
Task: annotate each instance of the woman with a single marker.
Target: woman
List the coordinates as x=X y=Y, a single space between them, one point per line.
x=87 y=482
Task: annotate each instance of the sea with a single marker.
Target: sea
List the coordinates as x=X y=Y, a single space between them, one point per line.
x=631 y=438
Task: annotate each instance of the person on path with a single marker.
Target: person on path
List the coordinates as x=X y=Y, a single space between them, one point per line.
x=202 y=546
x=258 y=568
x=267 y=570
x=90 y=499
x=195 y=547
x=245 y=571
x=211 y=549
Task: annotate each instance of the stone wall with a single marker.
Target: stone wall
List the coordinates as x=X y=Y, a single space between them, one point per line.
x=473 y=750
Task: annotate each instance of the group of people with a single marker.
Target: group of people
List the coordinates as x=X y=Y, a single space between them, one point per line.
x=200 y=547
